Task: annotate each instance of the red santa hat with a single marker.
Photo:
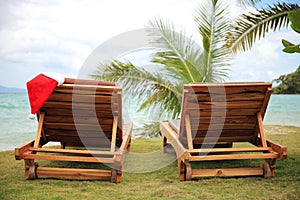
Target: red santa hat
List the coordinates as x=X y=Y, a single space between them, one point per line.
x=40 y=88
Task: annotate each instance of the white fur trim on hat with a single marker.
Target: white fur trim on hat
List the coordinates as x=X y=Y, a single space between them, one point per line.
x=32 y=116
x=55 y=76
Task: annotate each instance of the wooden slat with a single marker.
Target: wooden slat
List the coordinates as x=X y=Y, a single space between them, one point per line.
x=222 y=113
x=73 y=151
x=261 y=130
x=79 y=120
x=212 y=127
x=206 y=97
x=39 y=130
x=266 y=101
x=114 y=134
x=77 y=113
x=227 y=172
x=75 y=98
x=88 y=142
x=68 y=158
x=225 y=132
x=224 y=105
x=221 y=137
x=82 y=127
x=234 y=157
x=86 y=89
x=188 y=131
x=118 y=96
x=82 y=106
x=73 y=173
x=76 y=133
x=183 y=113
x=225 y=120
x=246 y=138
x=228 y=88
x=230 y=150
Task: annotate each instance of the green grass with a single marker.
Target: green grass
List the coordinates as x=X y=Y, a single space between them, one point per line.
x=162 y=183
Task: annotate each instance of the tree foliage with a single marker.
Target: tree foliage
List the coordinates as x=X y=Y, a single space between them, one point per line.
x=294 y=17
x=250 y=27
x=289 y=84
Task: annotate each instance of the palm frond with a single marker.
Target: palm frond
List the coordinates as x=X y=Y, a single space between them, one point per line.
x=213 y=24
x=176 y=51
x=253 y=26
x=150 y=130
x=154 y=90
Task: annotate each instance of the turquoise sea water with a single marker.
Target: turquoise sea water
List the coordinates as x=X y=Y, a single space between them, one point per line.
x=16 y=128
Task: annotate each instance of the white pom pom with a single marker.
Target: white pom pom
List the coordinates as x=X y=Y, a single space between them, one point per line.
x=31 y=116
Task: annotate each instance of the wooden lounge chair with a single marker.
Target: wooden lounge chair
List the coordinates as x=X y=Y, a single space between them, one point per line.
x=214 y=119
x=86 y=118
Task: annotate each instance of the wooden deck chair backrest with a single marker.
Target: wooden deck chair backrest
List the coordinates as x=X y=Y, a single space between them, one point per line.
x=222 y=113
x=83 y=113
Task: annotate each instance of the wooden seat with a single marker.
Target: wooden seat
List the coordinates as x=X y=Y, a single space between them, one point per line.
x=85 y=117
x=217 y=121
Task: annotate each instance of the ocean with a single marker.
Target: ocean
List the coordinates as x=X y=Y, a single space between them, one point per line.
x=16 y=128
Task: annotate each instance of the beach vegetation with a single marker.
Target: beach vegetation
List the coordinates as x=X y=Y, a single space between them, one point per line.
x=288 y=84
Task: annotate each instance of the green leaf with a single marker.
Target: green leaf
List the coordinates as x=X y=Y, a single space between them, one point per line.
x=292 y=49
x=294 y=17
x=286 y=43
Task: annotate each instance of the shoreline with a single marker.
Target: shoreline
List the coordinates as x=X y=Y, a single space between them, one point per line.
x=269 y=130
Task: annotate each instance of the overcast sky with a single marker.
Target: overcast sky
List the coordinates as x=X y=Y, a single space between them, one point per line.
x=58 y=36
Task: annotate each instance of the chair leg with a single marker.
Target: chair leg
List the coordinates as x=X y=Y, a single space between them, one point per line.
x=188 y=171
x=62 y=145
x=116 y=174
x=31 y=169
x=128 y=148
x=181 y=170
x=164 y=144
x=272 y=163
x=266 y=169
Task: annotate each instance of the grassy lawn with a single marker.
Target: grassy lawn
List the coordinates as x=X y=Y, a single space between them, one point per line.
x=161 y=183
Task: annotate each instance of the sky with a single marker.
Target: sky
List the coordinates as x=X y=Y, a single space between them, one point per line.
x=60 y=35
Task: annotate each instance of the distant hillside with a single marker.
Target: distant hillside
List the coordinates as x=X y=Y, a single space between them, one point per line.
x=11 y=90
x=289 y=84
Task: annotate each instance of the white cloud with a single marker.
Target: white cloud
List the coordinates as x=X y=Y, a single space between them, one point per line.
x=267 y=50
x=59 y=35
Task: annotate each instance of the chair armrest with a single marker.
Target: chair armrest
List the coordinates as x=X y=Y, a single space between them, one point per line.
x=19 y=151
x=172 y=137
x=127 y=131
x=281 y=150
